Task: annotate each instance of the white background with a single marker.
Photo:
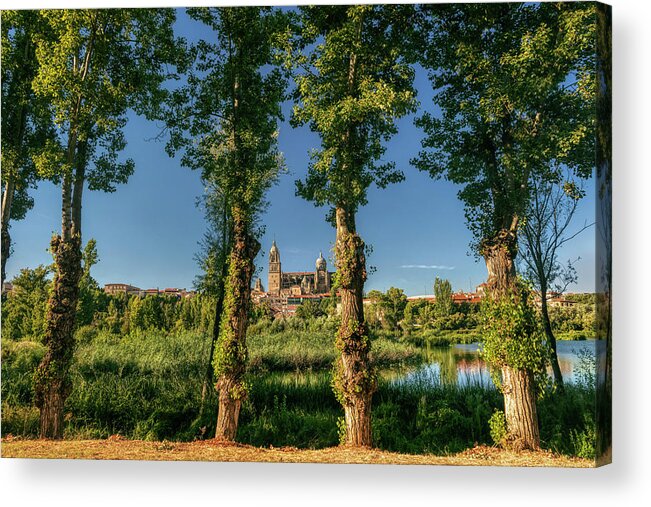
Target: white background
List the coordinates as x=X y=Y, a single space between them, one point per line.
x=626 y=482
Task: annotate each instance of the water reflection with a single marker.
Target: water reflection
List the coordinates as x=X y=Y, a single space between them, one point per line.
x=462 y=364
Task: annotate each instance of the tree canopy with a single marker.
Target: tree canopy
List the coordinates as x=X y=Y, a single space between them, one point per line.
x=95 y=65
x=515 y=86
x=352 y=83
x=224 y=120
x=25 y=122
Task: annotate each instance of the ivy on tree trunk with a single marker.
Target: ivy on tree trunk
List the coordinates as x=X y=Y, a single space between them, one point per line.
x=230 y=360
x=354 y=378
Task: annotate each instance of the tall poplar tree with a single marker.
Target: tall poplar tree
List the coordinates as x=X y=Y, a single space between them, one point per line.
x=515 y=86
x=352 y=83
x=25 y=121
x=225 y=122
x=93 y=66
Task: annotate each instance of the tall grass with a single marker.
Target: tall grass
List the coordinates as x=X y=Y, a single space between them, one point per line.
x=148 y=386
x=297 y=344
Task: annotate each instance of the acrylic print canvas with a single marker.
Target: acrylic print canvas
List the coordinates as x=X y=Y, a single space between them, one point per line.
x=333 y=234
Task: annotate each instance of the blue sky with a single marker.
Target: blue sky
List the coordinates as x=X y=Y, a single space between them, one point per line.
x=147 y=232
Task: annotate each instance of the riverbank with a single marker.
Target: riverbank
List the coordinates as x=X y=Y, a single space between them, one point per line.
x=211 y=450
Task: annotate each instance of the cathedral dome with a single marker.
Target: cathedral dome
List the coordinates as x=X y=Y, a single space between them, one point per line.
x=321 y=263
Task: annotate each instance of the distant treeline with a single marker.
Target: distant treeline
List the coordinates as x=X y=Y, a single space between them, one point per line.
x=23 y=313
x=443 y=320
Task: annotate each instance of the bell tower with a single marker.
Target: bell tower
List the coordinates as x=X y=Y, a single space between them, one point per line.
x=275 y=272
x=321 y=281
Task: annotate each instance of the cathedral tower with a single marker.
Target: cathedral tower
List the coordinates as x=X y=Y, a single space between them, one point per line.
x=275 y=272
x=321 y=276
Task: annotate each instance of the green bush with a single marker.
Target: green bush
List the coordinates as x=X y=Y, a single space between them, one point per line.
x=512 y=334
x=19 y=360
x=85 y=334
x=19 y=420
x=497 y=424
x=584 y=440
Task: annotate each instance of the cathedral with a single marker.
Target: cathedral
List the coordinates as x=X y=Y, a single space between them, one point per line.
x=298 y=283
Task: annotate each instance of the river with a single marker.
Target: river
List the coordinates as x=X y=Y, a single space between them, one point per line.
x=462 y=364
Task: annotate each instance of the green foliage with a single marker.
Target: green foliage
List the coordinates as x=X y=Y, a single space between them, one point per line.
x=309 y=309
x=352 y=83
x=23 y=311
x=19 y=360
x=497 y=424
x=567 y=419
x=586 y=298
x=147 y=385
x=387 y=310
x=19 y=419
x=515 y=84
x=94 y=65
x=578 y=318
x=424 y=320
x=443 y=293
x=511 y=332
x=224 y=122
x=26 y=123
x=85 y=334
x=91 y=298
x=341 y=430
x=299 y=344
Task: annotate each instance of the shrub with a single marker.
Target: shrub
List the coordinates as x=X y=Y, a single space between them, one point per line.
x=497 y=424
x=19 y=420
x=85 y=334
x=19 y=360
x=584 y=441
x=512 y=335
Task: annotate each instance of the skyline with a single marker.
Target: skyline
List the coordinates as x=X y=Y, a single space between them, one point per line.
x=148 y=231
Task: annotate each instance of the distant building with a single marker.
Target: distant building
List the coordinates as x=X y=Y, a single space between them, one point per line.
x=7 y=288
x=458 y=297
x=286 y=290
x=297 y=283
x=480 y=290
x=557 y=301
x=121 y=288
x=467 y=297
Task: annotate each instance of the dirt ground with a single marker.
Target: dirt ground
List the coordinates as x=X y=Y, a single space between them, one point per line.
x=116 y=448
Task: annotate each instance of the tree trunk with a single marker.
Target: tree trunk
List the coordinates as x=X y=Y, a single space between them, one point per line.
x=518 y=386
x=549 y=334
x=51 y=382
x=230 y=363
x=11 y=172
x=520 y=408
x=7 y=199
x=354 y=379
x=78 y=187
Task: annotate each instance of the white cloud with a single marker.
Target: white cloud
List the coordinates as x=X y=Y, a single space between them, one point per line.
x=425 y=266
